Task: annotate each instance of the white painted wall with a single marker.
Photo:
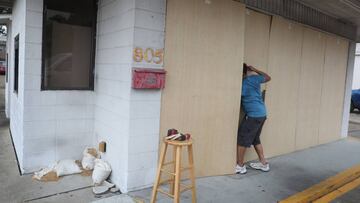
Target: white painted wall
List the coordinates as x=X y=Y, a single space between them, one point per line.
x=112 y=83
x=17 y=100
x=56 y=124
x=126 y=119
x=145 y=104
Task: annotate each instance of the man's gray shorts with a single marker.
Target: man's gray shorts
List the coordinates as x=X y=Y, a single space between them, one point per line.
x=249 y=131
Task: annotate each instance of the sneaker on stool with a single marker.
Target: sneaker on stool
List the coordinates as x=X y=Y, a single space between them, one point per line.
x=260 y=166
x=240 y=169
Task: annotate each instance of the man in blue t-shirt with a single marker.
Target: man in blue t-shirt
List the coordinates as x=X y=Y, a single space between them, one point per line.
x=255 y=116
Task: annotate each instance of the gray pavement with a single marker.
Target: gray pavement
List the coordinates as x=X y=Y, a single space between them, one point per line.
x=351 y=197
x=289 y=174
x=354 y=130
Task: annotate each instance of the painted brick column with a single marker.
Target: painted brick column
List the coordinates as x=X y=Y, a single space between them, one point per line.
x=127 y=119
x=145 y=104
x=114 y=44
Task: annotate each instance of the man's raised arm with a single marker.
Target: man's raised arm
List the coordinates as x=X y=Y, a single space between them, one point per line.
x=266 y=76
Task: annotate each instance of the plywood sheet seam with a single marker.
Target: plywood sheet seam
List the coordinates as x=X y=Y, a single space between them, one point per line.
x=322 y=87
x=298 y=86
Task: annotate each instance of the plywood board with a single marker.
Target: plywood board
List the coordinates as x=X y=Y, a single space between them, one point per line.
x=282 y=91
x=308 y=109
x=257 y=37
x=203 y=58
x=333 y=89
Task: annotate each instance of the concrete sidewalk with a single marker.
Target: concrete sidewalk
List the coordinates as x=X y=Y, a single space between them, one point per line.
x=289 y=174
x=350 y=197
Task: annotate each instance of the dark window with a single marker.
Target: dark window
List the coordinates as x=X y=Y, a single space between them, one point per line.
x=16 y=64
x=68 y=44
x=7 y=68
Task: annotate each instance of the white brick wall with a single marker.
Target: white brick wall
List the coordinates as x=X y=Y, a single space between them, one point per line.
x=16 y=100
x=52 y=125
x=128 y=120
x=145 y=104
x=55 y=125
x=112 y=84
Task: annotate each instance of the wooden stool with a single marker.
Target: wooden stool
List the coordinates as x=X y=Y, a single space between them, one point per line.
x=174 y=181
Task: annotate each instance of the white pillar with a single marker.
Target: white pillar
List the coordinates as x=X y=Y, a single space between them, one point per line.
x=348 y=88
x=144 y=116
x=130 y=35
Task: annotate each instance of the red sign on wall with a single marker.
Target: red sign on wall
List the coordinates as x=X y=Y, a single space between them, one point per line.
x=146 y=78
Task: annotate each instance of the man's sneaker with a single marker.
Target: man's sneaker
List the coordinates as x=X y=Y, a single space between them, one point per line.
x=260 y=166
x=240 y=169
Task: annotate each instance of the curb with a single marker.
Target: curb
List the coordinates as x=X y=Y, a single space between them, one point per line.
x=325 y=187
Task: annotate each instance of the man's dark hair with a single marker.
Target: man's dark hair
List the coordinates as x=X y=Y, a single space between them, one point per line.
x=245 y=69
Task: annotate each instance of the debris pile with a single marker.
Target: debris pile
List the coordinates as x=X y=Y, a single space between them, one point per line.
x=66 y=167
x=104 y=187
x=88 y=160
x=101 y=171
x=90 y=165
x=46 y=175
x=60 y=168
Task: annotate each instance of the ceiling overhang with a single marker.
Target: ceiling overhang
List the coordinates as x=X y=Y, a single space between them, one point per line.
x=347 y=11
x=340 y=17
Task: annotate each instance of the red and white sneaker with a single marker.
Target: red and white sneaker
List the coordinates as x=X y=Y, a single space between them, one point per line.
x=173 y=134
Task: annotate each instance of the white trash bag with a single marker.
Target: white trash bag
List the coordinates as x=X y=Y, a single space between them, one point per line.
x=88 y=160
x=101 y=171
x=66 y=167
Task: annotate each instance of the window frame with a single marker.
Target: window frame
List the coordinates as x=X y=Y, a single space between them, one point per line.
x=92 y=54
x=16 y=63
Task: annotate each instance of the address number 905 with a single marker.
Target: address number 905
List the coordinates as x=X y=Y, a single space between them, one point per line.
x=148 y=55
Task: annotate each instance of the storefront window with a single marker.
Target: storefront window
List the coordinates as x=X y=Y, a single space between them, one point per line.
x=68 y=44
x=16 y=63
